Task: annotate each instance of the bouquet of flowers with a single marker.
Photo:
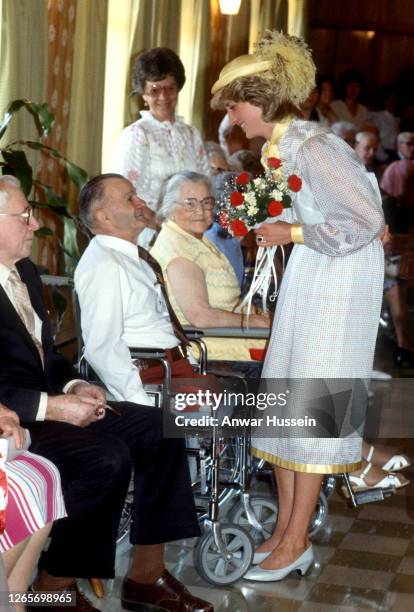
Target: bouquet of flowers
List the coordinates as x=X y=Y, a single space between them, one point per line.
x=249 y=202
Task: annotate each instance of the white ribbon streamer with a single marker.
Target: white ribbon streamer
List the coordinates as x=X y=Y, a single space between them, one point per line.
x=264 y=273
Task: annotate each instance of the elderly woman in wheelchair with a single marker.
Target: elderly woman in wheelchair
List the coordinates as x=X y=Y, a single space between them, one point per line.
x=202 y=285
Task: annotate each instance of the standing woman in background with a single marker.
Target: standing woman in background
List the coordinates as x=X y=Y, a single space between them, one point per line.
x=348 y=106
x=159 y=144
x=327 y=313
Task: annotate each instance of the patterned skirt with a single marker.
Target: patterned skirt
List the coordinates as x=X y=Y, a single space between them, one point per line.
x=34 y=498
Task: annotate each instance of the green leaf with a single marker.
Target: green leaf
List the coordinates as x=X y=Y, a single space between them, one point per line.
x=43 y=231
x=13 y=108
x=43 y=118
x=59 y=302
x=70 y=245
x=53 y=200
x=20 y=167
x=77 y=175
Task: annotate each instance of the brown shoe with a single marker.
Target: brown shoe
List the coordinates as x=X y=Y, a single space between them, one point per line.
x=82 y=603
x=165 y=595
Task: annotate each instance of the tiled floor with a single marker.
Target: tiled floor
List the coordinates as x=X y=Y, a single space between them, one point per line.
x=364 y=556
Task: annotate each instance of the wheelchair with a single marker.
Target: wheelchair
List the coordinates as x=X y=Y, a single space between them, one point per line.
x=224 y=552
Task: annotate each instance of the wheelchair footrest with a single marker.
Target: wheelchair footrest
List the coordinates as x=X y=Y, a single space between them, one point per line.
x=373 y=495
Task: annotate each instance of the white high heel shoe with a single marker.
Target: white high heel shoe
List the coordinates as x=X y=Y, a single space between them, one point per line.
x=301 y=565
x=394 y=464
x=259 y=557
x=390 y=479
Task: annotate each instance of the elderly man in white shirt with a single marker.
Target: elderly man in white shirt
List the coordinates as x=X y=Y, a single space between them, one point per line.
x=120 y=295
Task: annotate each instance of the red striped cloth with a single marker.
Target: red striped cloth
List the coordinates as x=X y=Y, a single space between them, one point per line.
x=34 y=498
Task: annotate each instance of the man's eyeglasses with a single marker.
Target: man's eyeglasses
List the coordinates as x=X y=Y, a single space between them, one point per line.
x=190 y=204
x=154 y=91
x=26 y=216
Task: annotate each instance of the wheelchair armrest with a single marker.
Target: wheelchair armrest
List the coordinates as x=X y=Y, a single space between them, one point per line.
x=193 y=333
x=236 y=332
x=146 y=353
x=57 y=281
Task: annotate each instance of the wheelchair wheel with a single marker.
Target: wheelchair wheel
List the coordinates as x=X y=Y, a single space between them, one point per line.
x=320 y=515
x=328 y=486
x=265 y=510
x=213 y=567
x=126 y=515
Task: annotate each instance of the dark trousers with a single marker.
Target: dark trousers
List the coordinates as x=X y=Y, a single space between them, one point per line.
x=95 y=466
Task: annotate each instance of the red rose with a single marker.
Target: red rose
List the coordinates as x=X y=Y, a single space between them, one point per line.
x=294 y=182
x=275 y=208
x=274 y=162
x=238 y=228
x=243 y=178
x=236 y=198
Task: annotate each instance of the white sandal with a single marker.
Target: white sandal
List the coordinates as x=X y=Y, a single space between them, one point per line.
x=390 y=480
x=395 y=464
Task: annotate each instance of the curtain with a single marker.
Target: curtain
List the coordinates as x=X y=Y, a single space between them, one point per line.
x=267 y=15
x=23 y=60
x=121 y=23
x=84 y=145
x=297 y=18
x=194 y=52
x=61 y=21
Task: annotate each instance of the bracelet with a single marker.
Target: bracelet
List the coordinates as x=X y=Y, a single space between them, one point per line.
x=296 y=233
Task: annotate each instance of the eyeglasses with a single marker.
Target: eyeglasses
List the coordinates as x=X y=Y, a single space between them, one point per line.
x=154 y=91
x=190 y=204
x=25 y=216
x=408 y=143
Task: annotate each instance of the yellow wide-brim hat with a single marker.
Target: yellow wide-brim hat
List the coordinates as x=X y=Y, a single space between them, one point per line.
x=285 y=60
x=244 y=65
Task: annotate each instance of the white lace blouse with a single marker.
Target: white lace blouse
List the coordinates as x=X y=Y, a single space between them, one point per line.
x=149 y=151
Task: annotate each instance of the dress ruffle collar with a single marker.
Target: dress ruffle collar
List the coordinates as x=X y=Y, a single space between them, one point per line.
x=148 y=117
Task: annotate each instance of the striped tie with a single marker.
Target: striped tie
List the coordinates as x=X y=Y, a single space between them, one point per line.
x=23 y=306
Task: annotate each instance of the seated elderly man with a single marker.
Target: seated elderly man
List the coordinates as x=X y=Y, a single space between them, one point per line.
x=93 y=445
x=122 y=295
x=366 y=147
x=405 y=145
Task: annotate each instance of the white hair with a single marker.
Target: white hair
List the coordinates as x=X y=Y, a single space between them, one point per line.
x=339 y=127
x=213 y=149
x=403 y=136
x=7 y=179
x=361 y=135
x=172 y=188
